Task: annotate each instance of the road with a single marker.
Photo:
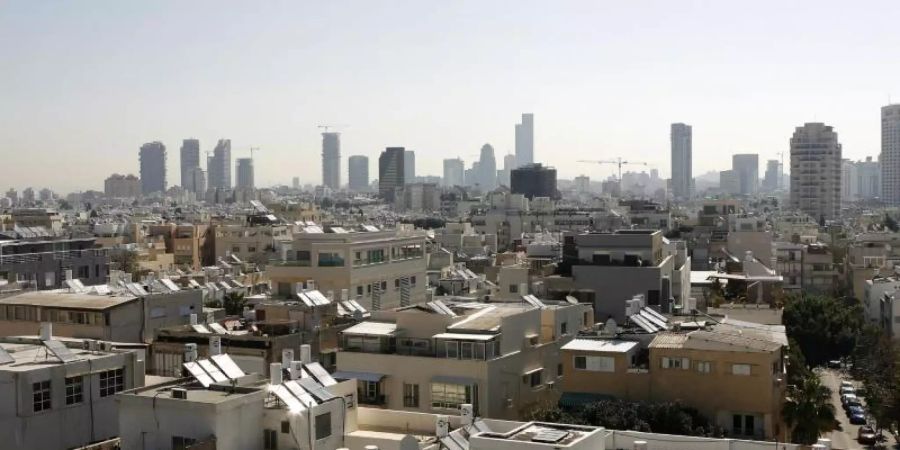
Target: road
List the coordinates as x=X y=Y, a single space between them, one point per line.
x=845 y=437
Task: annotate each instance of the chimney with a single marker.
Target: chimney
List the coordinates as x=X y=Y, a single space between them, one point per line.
x=193 y=319
x=46 y=331
x=275 y=376
x=306 y=353
x=215 y=345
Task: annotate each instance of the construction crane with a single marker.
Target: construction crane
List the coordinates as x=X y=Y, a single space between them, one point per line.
x=253 y=150
x=618 y=162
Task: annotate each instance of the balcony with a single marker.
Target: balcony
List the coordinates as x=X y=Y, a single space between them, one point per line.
x=373 y=400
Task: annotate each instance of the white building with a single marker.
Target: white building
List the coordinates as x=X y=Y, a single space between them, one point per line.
x=860 y=180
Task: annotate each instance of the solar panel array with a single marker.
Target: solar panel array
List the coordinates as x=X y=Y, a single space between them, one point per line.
x=216 y=328
x=136 y=289
x=320 y=374
x=313 y=298
x=649 y=320
x=170 y=285
x=75 y=285
x=533 y=301
x=550 y=436
x=5 y=357
x=218 y=369
x=298 y=395
x=441 y=308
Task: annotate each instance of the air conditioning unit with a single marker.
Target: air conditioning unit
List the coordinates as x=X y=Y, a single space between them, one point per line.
x=179 y=393
x=106 y=346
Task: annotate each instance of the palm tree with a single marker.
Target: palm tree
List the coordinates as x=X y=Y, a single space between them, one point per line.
x=234 y=302
x=808 y=411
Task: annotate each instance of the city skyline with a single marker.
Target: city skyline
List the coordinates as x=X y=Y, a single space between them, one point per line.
x=593 y=87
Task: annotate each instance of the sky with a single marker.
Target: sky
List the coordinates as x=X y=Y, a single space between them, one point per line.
x=84 y=83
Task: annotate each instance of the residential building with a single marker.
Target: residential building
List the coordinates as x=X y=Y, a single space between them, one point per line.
x=534 y=180
x=454 y=172
x=122 y=186
x=331 y=160
x=682 y=160
x=379 y=268
x=391 y=172
x=860 y=180
x=153 y=167
x=487 y=169
x=806 y=267
x=190 y=160
x=582 y=184
x=421 y=197
x=60 y=393
x=525 y=140
x=409 y=166
x=218 y=167
x=45 y=261
x=890 y=154
x=503 y=358
x=358 y=166
x=198 y=180
x=254 y=241
x=816 y=171
x=733 y=375
x=245 y=173
x=746 y=168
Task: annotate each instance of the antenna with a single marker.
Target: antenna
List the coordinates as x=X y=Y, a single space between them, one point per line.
x=253 y=150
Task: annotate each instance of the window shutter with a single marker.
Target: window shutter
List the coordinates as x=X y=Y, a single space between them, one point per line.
x=665 y=362
x=685 y=363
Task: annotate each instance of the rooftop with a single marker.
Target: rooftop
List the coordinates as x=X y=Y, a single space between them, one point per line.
x=27 y=356
x=65 y=299
x=600 y=345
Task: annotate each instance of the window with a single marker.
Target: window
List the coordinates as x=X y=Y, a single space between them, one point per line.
x=359 y=290
x=534 y=378
x=743 y=425
x=285 y=427
x=323 y=425
x=41 y=395
x=595 y=363
x=236 y=249
x=676 y=363
x=704 y=366
x=370 y=390
x=452 y=349
x=559 y=370
x=467 y=350
x=412 y=280
x=514 y=288
x=740 y=369
x=581 y=362
x=181 y=443
x=410 y=395
x=270 y=440
x=450 y=396
x=397 y=283
x=112 y=381
x=74 y=388
x=564 y=328
x=330 y=259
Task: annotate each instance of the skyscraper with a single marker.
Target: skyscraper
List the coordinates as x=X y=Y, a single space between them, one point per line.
x=391 y=172
x=525 y=140
x=890 y=154
x=534 y=180
x=190 y=159
x=509 y=163
x=331 y=160
x=359 y=172
x=816 y=171
x=198 y=180
x=219 y=165
x=773 y=174
x=746 y=168
x=245 y=173
x=487 y=168
x=682 y=175
x=409 y=166
x=454 y=172
x=153 y=167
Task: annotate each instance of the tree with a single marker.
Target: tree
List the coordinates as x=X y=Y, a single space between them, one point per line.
x=124 y=260
x=656 y=417
x=875 y=363
x=234 y=303
x=808 y=410
x=825 y=328
x=890 y=223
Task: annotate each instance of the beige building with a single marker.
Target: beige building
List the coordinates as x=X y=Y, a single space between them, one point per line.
x=816 y=171
x=379 y=268
x=249 y=243
x=501 y=357
x=732 y=374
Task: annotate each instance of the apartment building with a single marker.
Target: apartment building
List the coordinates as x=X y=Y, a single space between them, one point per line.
x=617 y=266
x=379 y=268
x=251 y=242
x=45 y=260
x=733 y=374
x=60 y=393
x=806 y=267
x=501 y=357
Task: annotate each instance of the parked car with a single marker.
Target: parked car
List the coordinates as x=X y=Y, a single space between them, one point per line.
x=846 y=398
x=847 y=390
x=857 y=415
x=834 y=364
x=846 y=383
x=866 y=435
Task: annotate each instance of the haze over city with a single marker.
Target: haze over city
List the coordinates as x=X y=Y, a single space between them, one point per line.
x=85 y=84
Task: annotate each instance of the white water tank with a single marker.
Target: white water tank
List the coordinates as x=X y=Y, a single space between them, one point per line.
x=215 y=345
x=275 y=376
x=305 y=353
x=46 y=331
x=442 y=426
x=640 y=445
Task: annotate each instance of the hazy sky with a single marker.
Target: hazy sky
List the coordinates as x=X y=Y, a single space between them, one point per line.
x=84 y=83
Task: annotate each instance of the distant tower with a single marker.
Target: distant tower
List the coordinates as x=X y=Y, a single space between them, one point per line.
x=190 y=160
x=198 y=182
x=770 y=180
x=391 y=172
x=245 y=173
x=153 y=167
x=295 y=182
x=525 y=140
x=746 y=168
x=331 y=160
x=219 y=165
x=487 y=168
x=409 y=166
x=454 y=170
x=682 y=176
x=358 y=172
x=890 y=154
x=816 y=171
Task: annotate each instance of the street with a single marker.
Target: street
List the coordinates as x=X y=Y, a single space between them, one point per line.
x=845 y=437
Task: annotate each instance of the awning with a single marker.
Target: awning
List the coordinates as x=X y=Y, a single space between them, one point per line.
x=453 y=380
x=533 y=371
x=465 y=336
x=361 y=376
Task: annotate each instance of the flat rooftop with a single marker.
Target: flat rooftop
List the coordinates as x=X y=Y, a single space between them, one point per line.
x=541 y=433
x=28 y=356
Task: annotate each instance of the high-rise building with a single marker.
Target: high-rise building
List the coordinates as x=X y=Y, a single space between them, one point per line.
x=198 y=182
x=583 y=183
x=487 y=168
x=454 y=172
x=682 y=175
x=245 y=173
x=295 y=182
x=153 y=167
x=409 y=166
x=525 y=140
x=746 y=168
x=509 y=163
x=359 y=172
x=219 y=166
x=890 y=154
x=773 y=174
x=122 y=186
x=534 y=180
x=391 y=172
x=331 y=160
x=860 y=180
x=729 y=182
x=190 y=159
x=816 y=171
